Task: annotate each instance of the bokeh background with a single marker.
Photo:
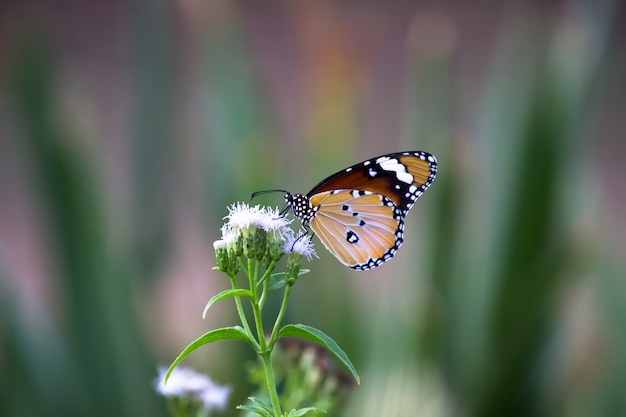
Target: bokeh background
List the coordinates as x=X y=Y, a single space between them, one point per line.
x=128 y=127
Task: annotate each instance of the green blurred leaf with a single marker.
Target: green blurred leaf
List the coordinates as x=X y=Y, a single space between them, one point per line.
x=315 y=335
x=254 y=409
x=260 y=403
x=305 y=411
x=258 y=407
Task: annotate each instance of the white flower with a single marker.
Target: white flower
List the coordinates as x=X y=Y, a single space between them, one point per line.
x=215 y=398
x=228 y=234
x=220 y=244
x=272 y=221
x=241 y=215
x=301 y=245
x=186 y=381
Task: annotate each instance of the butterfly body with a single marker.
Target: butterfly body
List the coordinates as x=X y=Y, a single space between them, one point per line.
x=358 y=213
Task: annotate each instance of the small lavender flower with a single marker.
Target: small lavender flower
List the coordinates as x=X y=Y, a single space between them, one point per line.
x=187 y=383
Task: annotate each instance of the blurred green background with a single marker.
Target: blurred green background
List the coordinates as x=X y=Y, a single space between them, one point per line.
x=126 y=128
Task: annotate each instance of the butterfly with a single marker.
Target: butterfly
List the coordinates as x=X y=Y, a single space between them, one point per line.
x=358 y=213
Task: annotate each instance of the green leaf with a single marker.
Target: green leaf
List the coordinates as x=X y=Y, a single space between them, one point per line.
x=225 y=333
x=277 y=280
x=305 y=411
x=258 y=407
x=315 y=335
x=239 y=292
x=255 y=409
x=259 y=402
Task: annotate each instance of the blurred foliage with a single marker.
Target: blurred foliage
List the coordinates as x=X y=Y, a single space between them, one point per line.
x=126 y=130
x=307 y=376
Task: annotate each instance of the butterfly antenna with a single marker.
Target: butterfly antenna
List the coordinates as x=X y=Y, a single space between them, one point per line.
x=267 y=192
x=284 y=210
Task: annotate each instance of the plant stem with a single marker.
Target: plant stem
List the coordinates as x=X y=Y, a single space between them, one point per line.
x=279 y=318
x=266 y=357
x=264 y=283
x=267 y=274
x=242 y=314
x=265 y=351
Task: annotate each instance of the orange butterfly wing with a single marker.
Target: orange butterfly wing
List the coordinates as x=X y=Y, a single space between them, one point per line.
x=362 y=229
x=358 y=213
x=402 y=177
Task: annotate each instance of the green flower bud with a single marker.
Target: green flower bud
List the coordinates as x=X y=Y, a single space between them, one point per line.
x=275 y=245
x=293 y=268
x=254 y=242
x=221 y=254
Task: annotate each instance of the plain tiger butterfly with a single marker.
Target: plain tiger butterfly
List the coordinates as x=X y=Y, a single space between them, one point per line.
x=358 y=213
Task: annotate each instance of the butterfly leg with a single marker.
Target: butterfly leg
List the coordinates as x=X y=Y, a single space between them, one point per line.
x=284 y=210
x=307 y=232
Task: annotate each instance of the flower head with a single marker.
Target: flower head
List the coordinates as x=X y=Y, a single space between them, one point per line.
x=245 y=222
x=258 y=232
x=301 y=246
x=241 y=215
x=220 y=244
x=273 y=220
x=228 y=234
x=185 y=382
x=297 y=248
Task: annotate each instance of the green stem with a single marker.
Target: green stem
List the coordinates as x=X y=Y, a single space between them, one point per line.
x=271 y=383
x=243 y=266
x=265 y=352
x=242 y=314
x=279 y=318
x=251 y=277
x=259 y=324
x=265 y=282
x=267 y=273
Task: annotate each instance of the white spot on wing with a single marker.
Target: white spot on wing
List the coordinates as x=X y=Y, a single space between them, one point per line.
x=394 y=165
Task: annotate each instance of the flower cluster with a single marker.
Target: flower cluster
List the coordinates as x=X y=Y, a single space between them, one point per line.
x=188 y=389
x=262 y=234
x=253 y=240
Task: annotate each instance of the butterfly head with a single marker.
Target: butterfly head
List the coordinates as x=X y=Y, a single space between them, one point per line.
x=300 y=205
